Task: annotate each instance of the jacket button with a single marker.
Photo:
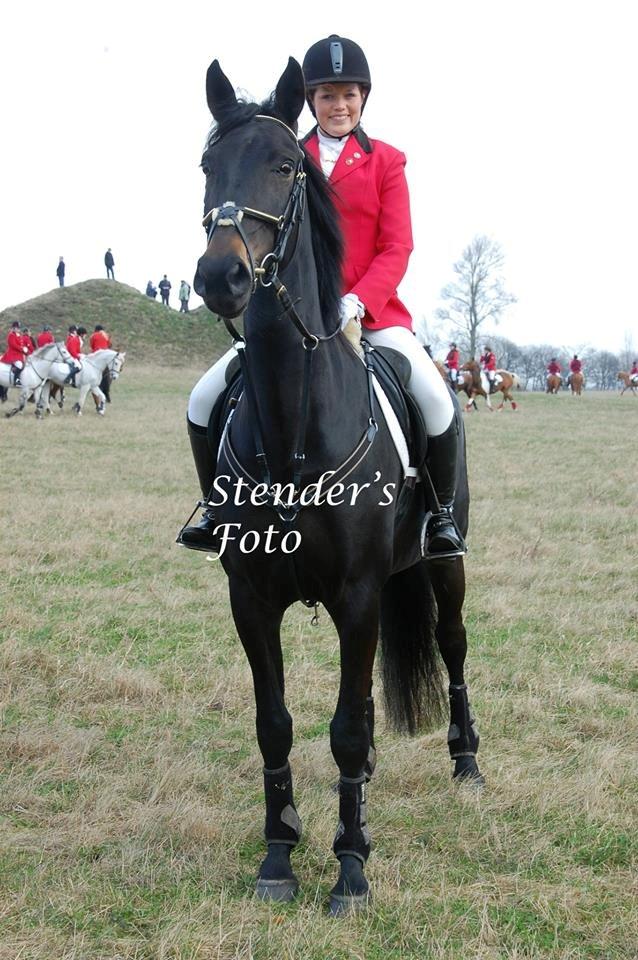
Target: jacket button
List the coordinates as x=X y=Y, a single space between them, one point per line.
x=349 y=161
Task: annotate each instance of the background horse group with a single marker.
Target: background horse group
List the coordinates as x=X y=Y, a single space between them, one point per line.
x=50 y=365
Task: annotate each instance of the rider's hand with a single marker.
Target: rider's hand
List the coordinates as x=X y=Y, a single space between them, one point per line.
x=350 y=308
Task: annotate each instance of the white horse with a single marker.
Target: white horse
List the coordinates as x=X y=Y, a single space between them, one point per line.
x=34 y=373
x=86 y=380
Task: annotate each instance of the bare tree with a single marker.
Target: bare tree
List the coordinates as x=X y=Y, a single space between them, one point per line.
x=478 y=293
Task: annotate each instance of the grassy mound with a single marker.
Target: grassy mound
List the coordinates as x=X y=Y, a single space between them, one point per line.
x=148 y=331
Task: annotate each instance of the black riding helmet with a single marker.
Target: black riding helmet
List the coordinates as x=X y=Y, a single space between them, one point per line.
x=336 y=60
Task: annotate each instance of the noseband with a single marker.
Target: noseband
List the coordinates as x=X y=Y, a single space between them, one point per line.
x=231 y=215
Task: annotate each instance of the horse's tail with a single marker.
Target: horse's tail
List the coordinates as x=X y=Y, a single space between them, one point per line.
x=516 y=383
x=413 y=689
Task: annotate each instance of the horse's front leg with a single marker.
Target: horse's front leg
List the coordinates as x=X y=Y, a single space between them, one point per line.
x=448 y=582
x=22 y=402
x=357 y=621
x=99 y=400
x=43 y=400
x=258 y=626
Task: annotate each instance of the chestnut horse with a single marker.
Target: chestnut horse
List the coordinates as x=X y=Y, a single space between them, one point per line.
x=576 y=381
x=554 y=382
x=476 y=385
x=630 y=383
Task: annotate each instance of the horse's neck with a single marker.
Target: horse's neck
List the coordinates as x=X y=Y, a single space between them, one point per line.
x=276 y=361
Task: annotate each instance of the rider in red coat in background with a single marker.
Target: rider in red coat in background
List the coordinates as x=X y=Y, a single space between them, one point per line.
x=452 y=363
x=100 y=340
x=45 y=336
x=575 y=365
x=633 y=373
x=553 y=367
x=17 y=351
x=488 y=363
x=74 y=346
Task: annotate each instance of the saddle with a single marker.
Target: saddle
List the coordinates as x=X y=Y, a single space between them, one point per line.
x=391 y=369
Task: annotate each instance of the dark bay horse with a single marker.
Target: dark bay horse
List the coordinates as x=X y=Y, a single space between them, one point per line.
x=306 y=413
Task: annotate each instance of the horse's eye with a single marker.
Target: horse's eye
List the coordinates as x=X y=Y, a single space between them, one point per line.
x=286 y=168
x=206 y=169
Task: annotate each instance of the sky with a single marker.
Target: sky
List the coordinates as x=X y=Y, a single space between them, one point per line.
x=518 y=120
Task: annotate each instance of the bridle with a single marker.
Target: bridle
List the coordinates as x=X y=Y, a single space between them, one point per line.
x=60 y=358
x=229 y=214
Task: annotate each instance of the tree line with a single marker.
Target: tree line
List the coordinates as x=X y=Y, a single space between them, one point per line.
x=476 y=299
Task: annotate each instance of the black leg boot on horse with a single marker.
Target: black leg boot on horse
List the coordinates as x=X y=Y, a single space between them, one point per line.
x=442 y=538
x=200 y=536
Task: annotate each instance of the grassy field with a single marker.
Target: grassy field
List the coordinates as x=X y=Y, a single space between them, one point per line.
x=130 y=782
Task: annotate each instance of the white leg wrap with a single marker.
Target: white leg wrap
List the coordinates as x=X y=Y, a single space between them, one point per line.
x=426 y=383
x=207 y=389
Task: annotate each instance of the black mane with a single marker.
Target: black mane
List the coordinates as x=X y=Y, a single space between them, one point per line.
x=327 y=241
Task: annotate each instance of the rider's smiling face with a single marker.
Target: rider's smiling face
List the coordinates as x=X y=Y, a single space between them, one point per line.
x=338 y=107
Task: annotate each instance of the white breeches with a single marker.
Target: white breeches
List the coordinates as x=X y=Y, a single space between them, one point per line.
x=207 y=389
x=425 y=384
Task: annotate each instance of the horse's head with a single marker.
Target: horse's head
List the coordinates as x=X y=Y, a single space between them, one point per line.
x=116 y=364
x=254 y=187
x=471 y=365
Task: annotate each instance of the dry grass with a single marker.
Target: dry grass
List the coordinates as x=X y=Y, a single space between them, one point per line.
x=130 y=787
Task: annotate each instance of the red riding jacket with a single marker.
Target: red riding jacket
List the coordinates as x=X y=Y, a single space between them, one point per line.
x=452 y=359
x=74 y=345
x=16 y=348
x=100 y=340
x=575 y=366
x=45 y=337
x=373 y=203
x=553 y=367
x=488 y=361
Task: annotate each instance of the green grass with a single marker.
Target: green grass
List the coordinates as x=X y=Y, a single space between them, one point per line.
x=131 y=810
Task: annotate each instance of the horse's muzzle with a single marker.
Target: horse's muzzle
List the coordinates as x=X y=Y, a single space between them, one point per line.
x=224 y=284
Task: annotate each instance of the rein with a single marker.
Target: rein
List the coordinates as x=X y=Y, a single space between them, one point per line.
x=229 y=214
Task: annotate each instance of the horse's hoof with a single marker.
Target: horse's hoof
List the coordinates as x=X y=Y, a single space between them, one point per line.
x=279 y=891
x=342 y=904
x=469 y=775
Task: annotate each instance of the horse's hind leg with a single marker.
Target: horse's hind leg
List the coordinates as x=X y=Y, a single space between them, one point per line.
x=448 y=582
x=258 y=627
x=357 y=622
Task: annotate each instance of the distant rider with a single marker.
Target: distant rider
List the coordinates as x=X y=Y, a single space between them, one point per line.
x=45 y=336
x=452 y=363
x=488 y=363
x=74 y=346
x=100 y=340
x=575 y=366
x=16 y=352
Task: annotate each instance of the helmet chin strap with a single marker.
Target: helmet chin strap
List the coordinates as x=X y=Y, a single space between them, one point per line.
x=332 y=136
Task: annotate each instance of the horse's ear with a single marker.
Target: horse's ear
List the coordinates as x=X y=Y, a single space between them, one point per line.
x=219 y=90
x=290 y=94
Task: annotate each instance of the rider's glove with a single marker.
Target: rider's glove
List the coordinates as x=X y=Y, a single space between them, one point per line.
x=350 y=308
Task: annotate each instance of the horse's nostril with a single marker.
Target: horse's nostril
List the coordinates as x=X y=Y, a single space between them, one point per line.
x=237 y=278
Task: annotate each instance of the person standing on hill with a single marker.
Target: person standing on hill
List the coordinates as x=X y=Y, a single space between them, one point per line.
x=151 y=291
x=16 y=352
x=184 y=294
x=45 y=336
x=165 y=289
x=109 y=263
x=100 y=339
x=61 y=271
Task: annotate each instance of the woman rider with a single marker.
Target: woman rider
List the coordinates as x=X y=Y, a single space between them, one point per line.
x=371 y=196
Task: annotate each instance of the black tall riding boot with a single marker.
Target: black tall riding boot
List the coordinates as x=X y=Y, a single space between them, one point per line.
x=442 y=538
x=199 y=536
